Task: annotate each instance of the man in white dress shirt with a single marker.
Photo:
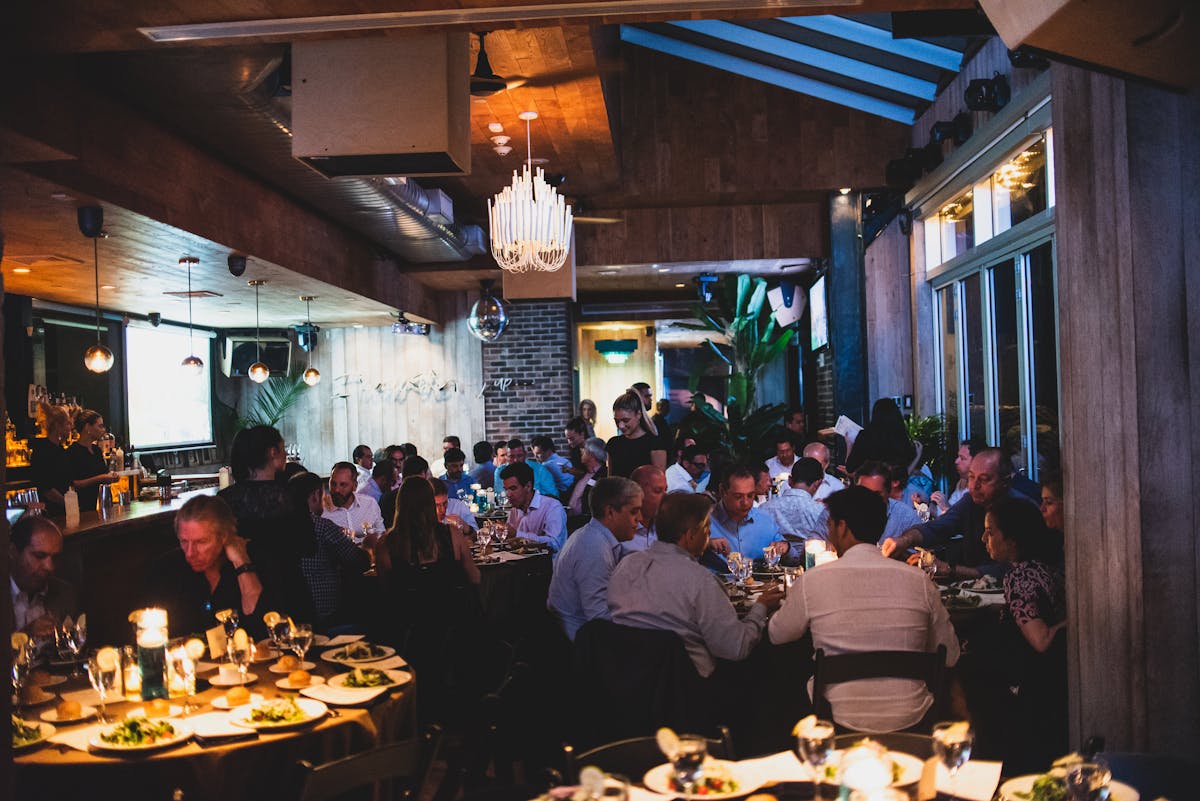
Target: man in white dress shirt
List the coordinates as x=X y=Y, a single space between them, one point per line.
x=864 y=601
x=533 y=517
x=579 y=588
x=687 y=475
x=829 y=484
x=785 y=455
x=350 y=509
x=364 y=460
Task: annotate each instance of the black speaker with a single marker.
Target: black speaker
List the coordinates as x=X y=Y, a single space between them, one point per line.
x=237 y=264
x=91 y=220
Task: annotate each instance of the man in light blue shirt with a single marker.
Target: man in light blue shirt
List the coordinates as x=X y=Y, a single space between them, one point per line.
x=543 y=482
x=533 y=517
x=579 y=588
x=559 y=466
x=736 y=524
x=901 y=516
x=799 y=515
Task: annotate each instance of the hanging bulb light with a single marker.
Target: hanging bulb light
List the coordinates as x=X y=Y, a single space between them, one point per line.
x=489 y=315
x=312 y=376
x=258 y=371
x=97 y=358
x=192 y=365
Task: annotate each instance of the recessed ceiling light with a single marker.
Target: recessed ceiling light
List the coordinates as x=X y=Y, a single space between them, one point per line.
x=107 y=286
x=845 y=190
x=22 y=270
x=680 y=286
x=60 y=196
x=664 y=269
x=607 y=272
x=359 y=325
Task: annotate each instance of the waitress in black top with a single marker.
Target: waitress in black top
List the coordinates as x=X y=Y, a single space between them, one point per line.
x=51 y=471
x=638 y=443
x=89 y=468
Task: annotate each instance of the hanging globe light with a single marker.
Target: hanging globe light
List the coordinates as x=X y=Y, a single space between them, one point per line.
x=312 y=376
x=192 y=365
x=98 y=359
x=489 y=315
x=259 y=372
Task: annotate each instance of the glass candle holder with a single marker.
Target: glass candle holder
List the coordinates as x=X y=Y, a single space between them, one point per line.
x=151 y=638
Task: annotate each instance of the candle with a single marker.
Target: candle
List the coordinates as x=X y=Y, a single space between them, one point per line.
x=151 y=641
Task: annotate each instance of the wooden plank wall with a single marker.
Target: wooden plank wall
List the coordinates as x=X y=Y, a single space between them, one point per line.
x=889 y=321
x=364 y=396
x=1128 y=161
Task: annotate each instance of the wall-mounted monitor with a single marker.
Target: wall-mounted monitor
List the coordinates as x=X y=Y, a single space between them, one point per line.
x=168 y=406
x=818 y=316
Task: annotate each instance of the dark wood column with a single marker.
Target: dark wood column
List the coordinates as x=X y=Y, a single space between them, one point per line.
x=847 y=309
x=1127 y=168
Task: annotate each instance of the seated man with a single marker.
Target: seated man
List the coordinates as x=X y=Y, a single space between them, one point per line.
x=533 y=517
x=736 y=524
x=829 y=484
x=210 y=571
x=579 y=588
x=383 y=476
x=654 y=488
x=559 y=466
x=543 y=482
x=335 y=551
x=454 y=512
x=665 y=588
x=798 y=514
x=439 y=467
x=593 y=458
x=687 y=474
x=40 y=599
x=877 y=477
x=785 y=455
x=351 y=510
x=457 y=479
x=485 y=473
x=864 y=601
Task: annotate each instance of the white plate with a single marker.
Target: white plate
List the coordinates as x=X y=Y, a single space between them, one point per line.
x=140 y=712
x=52 y=681
x=659 y=778
x=220 y=703
x=1118 y=791
x=51 y=715
x=220 y=681
x=183 y=733
x=46 y=731
x=35 y=696
x=265 y=655
x=334 y=655
x=398 y=678
x=910 y=766
x=313 y=710
x=303 y=666
x=286 y=684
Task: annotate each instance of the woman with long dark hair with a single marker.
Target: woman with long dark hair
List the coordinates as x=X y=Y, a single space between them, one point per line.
x=89 y=468
x=885 y=439
x=638 y=443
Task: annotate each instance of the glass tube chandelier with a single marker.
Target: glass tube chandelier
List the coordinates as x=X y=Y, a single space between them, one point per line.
x=530 y=222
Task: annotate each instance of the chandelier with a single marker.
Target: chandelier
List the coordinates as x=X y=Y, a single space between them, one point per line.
x=530 y=222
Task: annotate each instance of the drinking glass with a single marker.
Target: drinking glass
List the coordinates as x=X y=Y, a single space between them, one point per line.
x=688 y=762
x=104 y=672
x=22 y=663
x=771 y=556
x=240 y=656
x=952 y=744
x=301 y=639
x=927 y=562
x=733 y=561
x=815 y=744
x=485 y=538
x=501 y=534
x=746 y=570
x=74 y=637
x=1088 y=781
x=229 y=621
x=183 y=667
x=279 y=634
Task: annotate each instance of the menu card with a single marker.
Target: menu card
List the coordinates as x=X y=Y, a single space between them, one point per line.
x=342 y=639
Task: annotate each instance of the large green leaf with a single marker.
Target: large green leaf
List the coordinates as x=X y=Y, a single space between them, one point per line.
x=274 y=398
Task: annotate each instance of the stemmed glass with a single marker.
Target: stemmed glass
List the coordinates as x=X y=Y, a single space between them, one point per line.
x=688 y=762
x=485 y=538
x=73 y=636
x=104 y=672
x=501 y=534
x=301 y=638
x=952 y=743
x=240 y=651
x=22 y=663
x=228 y=618
x=815 y=742
x=927 y=561
x=734 y=561
x=771 y=556
x=1088 y=781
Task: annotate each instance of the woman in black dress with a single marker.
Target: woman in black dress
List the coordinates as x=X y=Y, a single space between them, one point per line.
x=885 y=439
x=89 y=468
x=638 y=443
x=49 y=465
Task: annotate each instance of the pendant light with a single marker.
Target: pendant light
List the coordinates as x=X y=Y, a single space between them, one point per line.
x=258 y=371
x=192 y=365
x=489 y=315
x=97 y=358
x=312 y=376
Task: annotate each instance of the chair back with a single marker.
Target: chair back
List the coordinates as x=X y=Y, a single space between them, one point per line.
x=633 y=757
x=926 y=666
x=407 y=763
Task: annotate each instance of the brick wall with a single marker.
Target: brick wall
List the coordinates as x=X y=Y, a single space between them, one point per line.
x=534 y=354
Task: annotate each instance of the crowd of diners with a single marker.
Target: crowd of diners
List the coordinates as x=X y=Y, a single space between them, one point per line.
x=634 y=540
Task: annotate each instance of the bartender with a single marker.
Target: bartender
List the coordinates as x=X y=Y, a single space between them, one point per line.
x=49 y=467
x=89 y=469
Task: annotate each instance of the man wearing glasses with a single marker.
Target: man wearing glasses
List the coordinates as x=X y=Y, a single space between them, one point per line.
x=689 y=473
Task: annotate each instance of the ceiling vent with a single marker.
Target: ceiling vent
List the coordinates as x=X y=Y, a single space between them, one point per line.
x=399 y=106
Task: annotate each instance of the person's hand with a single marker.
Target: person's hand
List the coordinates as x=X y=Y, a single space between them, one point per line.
x=456 y=524
x=939 y=497
x=781 y=547
x=109 y=478
x=235 y=550
x=888 y=547
x=512 y=530
x=720 y=545
x=771 y=598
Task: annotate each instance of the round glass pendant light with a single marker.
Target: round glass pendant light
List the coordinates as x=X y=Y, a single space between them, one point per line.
x=98 y=358
x=192 y=365
x=489 y=315
x=258 y=371
x=312 y=376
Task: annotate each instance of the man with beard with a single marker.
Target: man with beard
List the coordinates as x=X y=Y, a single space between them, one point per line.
x=350 y=509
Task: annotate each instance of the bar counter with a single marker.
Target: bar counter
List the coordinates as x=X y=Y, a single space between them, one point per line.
x=106 y=558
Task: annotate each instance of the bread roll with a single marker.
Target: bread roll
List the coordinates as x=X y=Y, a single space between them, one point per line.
x=237 y=696
x=288 y=662
x=158 y=708
x=68 y=710
x=299 y=678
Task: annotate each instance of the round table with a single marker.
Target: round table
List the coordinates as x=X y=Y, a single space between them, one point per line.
x=260 y=768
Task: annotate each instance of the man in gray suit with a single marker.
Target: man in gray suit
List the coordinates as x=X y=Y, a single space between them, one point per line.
x=40 y=599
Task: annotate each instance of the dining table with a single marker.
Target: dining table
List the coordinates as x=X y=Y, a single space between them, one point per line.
x=261 y=765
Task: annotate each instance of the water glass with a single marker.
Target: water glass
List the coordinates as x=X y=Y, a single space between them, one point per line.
x=185 y=673
x=73 y=636
x=301 y=638
x=104 y=672
x=771 y=556
x=500 y=532
x=485 y=537
x=952 y=743
x=815 y=744
x=22 y=663
x=688 y=762
x=1088 y=781
x=240 y=657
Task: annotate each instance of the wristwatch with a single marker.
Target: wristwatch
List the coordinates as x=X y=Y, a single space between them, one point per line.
x=248 y=567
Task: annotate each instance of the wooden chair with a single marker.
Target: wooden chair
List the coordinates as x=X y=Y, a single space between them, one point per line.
x=407 y=764
x=633 y=757
x=929 y=667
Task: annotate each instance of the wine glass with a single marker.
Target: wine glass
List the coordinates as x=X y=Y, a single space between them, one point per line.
x=927 y=561
x=688 y=762
x=74 y=637
x=184 y=668
x=771 y=555
x=229 y=621
x=733 y=560
x=22 y=663
x=104 y=672
x=485 y=538
x=1088 y=781
x=279 y=634
x=240 y=651
x=815 y=743
x=952 y=743
x=301 y=639
x=501 y=534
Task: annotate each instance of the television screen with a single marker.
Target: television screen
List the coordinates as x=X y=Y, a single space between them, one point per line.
x=168 y=407
x=818 y=320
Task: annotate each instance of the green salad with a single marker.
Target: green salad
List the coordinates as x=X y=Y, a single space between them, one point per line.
x=23 y=733
x=139 y=731
x=368 y=677
x=360 y=650
x=278 y=710
x=1045 y=788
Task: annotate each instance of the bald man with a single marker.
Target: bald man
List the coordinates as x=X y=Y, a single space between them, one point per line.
x=829 y=484
x=653 y=482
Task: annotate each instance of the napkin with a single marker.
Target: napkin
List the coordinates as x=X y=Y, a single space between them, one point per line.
x=88 y=697
x=215 y=727
x=344 y=696
x=342 y=639
x=977 y=780
x=781 y=767
x=391 y=663
x=77 y=737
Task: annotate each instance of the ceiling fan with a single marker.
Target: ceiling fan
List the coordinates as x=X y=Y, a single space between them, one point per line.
x=485 y=82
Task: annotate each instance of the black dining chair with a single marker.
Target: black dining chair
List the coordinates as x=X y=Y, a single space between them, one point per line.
x=405 y=764
x=633 y=757
x=927 y=666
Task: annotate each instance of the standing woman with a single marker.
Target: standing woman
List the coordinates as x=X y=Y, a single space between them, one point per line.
x=885 y=439
x=638 y=442
x=50 y=468
x=587 y=410
x=89 y=469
